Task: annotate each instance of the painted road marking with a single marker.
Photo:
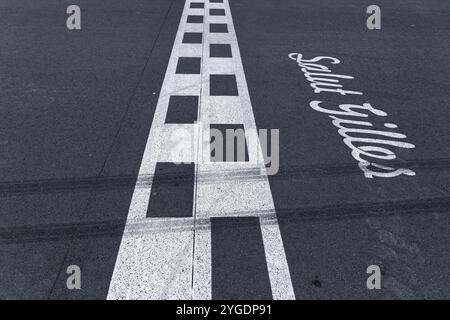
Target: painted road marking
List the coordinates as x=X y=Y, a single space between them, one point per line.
x=173 y=259
x=157 y=264
x=228 y=197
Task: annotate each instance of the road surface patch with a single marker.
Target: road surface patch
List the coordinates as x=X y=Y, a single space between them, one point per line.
x=219 y=50
x=216 y=12
x=182 y=109
x=240 y=271
x=187 y=65
x=173 y=198
x=218 y=28
x=194 y=19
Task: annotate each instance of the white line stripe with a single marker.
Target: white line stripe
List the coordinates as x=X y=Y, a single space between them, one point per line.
x=157 y=264
x=232 y=197
x=280 y=278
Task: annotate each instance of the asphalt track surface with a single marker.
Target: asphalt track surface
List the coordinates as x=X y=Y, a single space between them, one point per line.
x=77 y=108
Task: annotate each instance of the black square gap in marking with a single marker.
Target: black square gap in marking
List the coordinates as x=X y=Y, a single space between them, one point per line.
x=216 y=12
x=172 y=191
x=187 y=65
x=182 y=109
x=194 y=19
x=218 y=28
x=197 y=5
x=228 y=143
x=215 y=1
x=238 y=261
x=218 y=50
x=192 y=37
x=222 y=85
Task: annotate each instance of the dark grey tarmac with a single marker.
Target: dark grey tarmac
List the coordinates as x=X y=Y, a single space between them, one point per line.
x=76 y=109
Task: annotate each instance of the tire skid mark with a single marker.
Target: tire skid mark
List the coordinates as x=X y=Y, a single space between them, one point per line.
x=40 y=186
x=386 y=242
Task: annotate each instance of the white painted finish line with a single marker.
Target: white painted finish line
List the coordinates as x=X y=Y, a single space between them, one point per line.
x=172 y=258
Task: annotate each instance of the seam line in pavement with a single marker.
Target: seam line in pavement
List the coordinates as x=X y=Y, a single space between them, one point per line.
x=198 y=142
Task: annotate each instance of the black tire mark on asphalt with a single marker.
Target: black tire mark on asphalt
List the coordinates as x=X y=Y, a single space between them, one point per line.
x=102 y=183
x=106 y=228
